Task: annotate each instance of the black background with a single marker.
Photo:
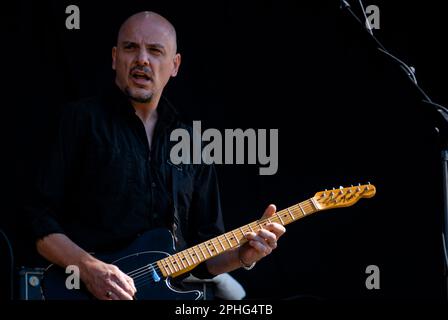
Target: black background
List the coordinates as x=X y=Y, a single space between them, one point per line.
x=345 y=115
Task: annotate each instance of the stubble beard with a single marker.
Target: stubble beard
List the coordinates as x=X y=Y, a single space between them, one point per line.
x=140 y=98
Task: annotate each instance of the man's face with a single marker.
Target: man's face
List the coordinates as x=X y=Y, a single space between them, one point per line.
x=145 y=58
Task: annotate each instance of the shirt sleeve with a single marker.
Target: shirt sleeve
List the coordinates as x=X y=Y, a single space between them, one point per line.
x=43 y=207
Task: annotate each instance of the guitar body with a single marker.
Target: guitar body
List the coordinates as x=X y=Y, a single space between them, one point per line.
x=151 y=285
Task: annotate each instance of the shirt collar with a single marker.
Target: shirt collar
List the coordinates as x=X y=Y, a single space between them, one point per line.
x=167 y=114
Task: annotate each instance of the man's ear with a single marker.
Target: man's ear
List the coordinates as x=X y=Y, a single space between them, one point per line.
x=114 y=57
x=176 y=62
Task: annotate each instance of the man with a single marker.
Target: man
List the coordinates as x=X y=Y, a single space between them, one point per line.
x=110 y=178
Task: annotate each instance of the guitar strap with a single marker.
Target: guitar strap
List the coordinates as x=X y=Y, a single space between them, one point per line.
x=179 y=219
x=177 y=222
x=175 y=227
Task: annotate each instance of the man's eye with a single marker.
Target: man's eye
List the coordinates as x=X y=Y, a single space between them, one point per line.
x=155 y=51
x=129 y=46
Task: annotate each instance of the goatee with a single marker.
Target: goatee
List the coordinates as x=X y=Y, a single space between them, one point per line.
x=141 y=98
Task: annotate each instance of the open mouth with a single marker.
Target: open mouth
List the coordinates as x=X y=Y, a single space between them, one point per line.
x=140 y=76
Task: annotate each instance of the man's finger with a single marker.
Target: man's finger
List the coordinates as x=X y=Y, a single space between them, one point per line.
x=266 y=247
x=131 y=282
x=275 y=228
x=270 y=210
x=123 y=281
x=262 y=249
x=270 y=237
x=121 y=294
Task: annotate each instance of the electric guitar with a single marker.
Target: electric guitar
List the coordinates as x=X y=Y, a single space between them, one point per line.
x=152 y=262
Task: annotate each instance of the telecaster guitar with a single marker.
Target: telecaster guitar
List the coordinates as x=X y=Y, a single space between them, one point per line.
x=151 y=259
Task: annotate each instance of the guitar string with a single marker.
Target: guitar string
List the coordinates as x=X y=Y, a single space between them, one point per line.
x=303 y=208
x=139 y=282
x=149 y=268
x=137 y=274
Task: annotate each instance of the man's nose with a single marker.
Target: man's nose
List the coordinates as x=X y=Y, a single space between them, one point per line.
x=143 y=57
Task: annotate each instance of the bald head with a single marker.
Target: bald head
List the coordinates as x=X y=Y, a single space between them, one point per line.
x=152 y=22
x=145 y=57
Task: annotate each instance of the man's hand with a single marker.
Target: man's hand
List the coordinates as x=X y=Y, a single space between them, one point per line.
x=106 y=281
x=262 y=243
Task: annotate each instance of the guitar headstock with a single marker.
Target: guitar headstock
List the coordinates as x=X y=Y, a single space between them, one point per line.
x=343 y=197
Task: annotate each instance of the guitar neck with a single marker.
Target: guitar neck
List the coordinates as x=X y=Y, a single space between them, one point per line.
x=187 y=259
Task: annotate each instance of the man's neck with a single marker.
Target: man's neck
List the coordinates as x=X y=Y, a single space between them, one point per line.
x=147 y=112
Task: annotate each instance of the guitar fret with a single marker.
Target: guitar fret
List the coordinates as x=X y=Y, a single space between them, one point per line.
x=164 y=264
x=161 y=267
x=225 y=236
x=209 y=251
x=314 y=204
x=303 y=212
x=203 y=254
x=170 y=266
x=219 y=240
x=216 y=249
x=176 y=268
x=292 y=216
x=187 y=255
x=192 y=255
x=182 y=260
x=178 y=261
x=250 y=227
x=279 y=216
x=237 y=241
x=244 y=235
x=199 y=257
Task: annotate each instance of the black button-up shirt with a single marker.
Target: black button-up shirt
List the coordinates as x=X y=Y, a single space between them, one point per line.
x=103 y=185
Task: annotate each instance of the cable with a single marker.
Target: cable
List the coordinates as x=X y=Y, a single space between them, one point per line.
x=410 y=71
x=11 y=267
x=368 y=26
